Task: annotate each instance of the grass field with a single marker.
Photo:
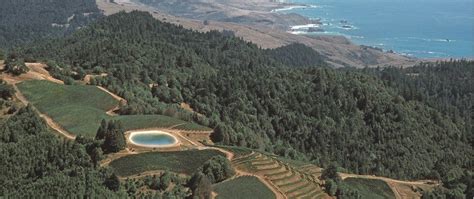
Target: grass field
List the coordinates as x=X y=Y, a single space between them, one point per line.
x=186 y=162
x=79 y=108
x=370 y=188
x=243 y=187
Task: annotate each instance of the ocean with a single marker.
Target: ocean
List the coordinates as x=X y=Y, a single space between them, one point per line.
x=419 y=28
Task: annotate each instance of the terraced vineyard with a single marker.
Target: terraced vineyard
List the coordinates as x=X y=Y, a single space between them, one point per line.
x=287 y=179
x=311 y=169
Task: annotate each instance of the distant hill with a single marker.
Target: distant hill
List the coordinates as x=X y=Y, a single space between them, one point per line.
x=30 y=20
x=253 y=21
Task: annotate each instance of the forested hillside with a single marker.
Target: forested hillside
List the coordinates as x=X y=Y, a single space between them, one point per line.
x=447 y=86
x=35 y=163
x=252 y=99
x=297 y=55
x=23 y=21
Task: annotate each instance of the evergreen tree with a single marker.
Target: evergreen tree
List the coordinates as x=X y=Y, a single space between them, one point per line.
x=200 y=186
x=217 y=169
x=112 y=182
x=6 y=91
x=102 y=131
x=331 y=173
x=114 y=137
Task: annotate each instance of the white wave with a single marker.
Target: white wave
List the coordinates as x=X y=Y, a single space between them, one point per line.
x=288 y=8
x=122 y=1
x=298 y=32
x=444 y=40
x=431 y=40
x=425 y=52
x=315 y=6
x=306 y=26
x=347 y=28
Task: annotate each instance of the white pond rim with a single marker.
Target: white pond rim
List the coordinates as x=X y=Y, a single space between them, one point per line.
x=152 y=139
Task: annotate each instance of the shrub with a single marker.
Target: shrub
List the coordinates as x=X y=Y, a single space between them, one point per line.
x=16 y=66
x=6 y=91
x=217 y=169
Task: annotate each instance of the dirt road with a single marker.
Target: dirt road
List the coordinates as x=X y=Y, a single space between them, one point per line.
x=48 y=120
x=401 y=189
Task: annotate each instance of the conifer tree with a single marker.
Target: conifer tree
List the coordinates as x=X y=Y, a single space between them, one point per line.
x=102 y=130
x=114 y=137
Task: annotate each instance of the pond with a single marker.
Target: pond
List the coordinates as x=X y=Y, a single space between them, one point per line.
x=152 y=139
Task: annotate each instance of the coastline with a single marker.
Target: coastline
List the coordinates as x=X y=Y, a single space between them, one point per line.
x=338 y=50
x=443 y=46
x=315 y=29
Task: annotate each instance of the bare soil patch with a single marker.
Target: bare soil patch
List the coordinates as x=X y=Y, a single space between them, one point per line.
x=37 y=72
x=188 y=107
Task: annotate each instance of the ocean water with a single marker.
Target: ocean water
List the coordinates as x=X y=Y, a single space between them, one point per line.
x=419 y=28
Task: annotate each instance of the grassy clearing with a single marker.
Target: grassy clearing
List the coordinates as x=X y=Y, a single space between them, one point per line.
x=370 y=188
x=186 y=162
x=79 y=108
x=243 y=187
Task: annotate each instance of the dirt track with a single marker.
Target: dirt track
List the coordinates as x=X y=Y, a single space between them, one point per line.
x=112 y=111
x=48 y=120
x=37 y=72
x=401 y=189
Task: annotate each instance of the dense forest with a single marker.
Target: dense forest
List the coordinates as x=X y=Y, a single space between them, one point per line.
x=23 y=21
x=359 y=120
x=36 y=163
x=446 y=86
